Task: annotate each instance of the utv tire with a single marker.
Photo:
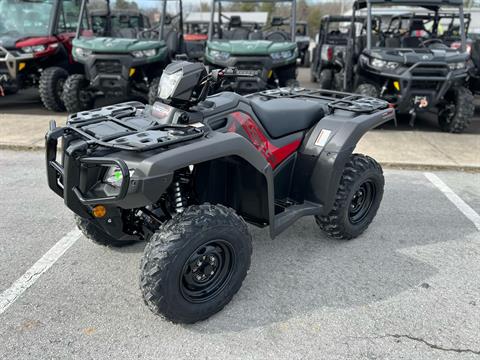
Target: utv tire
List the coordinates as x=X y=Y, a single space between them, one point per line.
x=338 y=80
x=306 y=59
x=75 y=96
x=195 y=263
x=357 y=200
x=51 y=88
x=153 y=90
x=458 y=118
x=325 y=79
x=367 y=89
x=286 y=75
x=97 y=235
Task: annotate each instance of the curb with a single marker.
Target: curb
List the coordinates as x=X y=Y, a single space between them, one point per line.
x=385 y=164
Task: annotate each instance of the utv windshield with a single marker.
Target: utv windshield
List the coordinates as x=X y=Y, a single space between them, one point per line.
x=130 y=19
x=25 y=18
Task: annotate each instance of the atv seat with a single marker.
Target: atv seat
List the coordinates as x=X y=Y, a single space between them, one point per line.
x=281 y=117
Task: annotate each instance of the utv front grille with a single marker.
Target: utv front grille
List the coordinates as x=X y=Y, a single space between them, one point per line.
x=430 y=70
x=424 y=85
x=246 y=65
x=108 y=67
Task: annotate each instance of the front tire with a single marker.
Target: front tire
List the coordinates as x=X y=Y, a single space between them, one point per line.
x=51 y=88
x=286 y=75
x=367 y=89
x=76 y=96
x=457 y=114
x=153 y=90
x=97 y=235
x=325 y=79
x=195 y=263
x=357 y=200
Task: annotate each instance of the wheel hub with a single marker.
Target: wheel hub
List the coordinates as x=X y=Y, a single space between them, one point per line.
x=207 y=271
x=361 y=202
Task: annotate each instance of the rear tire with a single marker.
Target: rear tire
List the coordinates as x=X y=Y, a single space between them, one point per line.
x=51 y=88
x=97 y=235
x=195 y=263
x=153 y=90
x=367 y=89
x=75 y=94
x=338 y=80
x=457 y=115
x=357 y=200
x=325 y=79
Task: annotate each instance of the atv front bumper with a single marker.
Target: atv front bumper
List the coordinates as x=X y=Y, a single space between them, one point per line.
x=425 y=81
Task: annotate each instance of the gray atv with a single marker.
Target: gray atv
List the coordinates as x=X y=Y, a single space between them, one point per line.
x=188 y=173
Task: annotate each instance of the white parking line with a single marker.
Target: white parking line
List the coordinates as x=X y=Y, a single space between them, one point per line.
x=455 y=199
x=9 y=296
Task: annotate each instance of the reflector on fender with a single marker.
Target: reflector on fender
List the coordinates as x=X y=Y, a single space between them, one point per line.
x=131 y=72
x=21 y=66
x=99 y=211
x=323 y=137
x=396 y=84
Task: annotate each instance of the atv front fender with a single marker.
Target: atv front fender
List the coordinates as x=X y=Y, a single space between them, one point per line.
x=162 y=166
x=331 y=156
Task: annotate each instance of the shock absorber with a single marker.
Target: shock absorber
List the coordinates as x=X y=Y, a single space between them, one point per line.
x=178 y=201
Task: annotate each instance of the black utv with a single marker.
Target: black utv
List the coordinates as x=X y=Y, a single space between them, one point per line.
x=123 y=59
x=302 y=38
x=414 y=68
x=189 y=172
x=35 y=47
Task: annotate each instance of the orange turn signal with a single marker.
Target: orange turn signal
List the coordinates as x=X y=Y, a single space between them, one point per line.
x=99 y=211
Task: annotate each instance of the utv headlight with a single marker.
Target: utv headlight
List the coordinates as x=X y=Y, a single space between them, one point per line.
x=281 y=55
x=144 y=53
x=382 y=64
x=219 y=55
x=457 y=66
x=114 y=176
x=33 y=49
x=168 y=84
x=81 y=52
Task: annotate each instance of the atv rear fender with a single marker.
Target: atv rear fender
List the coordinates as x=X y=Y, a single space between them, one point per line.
x=346 y=130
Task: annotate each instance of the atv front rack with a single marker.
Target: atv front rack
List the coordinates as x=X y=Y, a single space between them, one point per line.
x=127 y=126
x=333 y=99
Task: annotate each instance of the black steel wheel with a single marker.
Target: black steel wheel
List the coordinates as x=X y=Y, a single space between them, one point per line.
x=357 y=200
x=195 y=263
x=207 y=271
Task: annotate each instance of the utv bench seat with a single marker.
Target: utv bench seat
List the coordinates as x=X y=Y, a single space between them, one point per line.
x=281 y=117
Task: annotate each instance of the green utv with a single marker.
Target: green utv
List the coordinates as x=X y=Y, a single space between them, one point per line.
x=269 y=52
x=126 y=56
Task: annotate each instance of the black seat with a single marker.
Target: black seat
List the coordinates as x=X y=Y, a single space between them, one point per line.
x=281 y=117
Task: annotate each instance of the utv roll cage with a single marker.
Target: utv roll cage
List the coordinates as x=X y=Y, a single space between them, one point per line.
x=161 y=27
x=432 y=5
x=213 y=11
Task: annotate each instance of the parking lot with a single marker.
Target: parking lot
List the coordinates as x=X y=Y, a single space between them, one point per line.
x=406 y=289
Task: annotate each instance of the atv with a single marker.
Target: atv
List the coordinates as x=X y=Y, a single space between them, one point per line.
x=269 y=51
x=188 y=173
x=35 y=47
x=125 y=60
x=328 y=55
x=414 y=67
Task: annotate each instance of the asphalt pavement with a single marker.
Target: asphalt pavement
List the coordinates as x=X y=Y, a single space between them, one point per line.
x=406 y=289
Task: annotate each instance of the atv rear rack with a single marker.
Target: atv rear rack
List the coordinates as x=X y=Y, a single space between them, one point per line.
x=126 y=129
x=335 y=100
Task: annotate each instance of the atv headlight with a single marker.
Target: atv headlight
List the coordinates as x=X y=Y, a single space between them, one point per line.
x=220 y=55
x=114 y=176
x=168 y=84
x=81 y=52
x=457 y=66
x=382 y=64
x=281 y=55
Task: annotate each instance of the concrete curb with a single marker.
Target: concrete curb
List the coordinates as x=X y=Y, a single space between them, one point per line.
x=385 y=164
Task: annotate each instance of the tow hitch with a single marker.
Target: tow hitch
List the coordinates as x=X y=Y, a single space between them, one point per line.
x=421 y=101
